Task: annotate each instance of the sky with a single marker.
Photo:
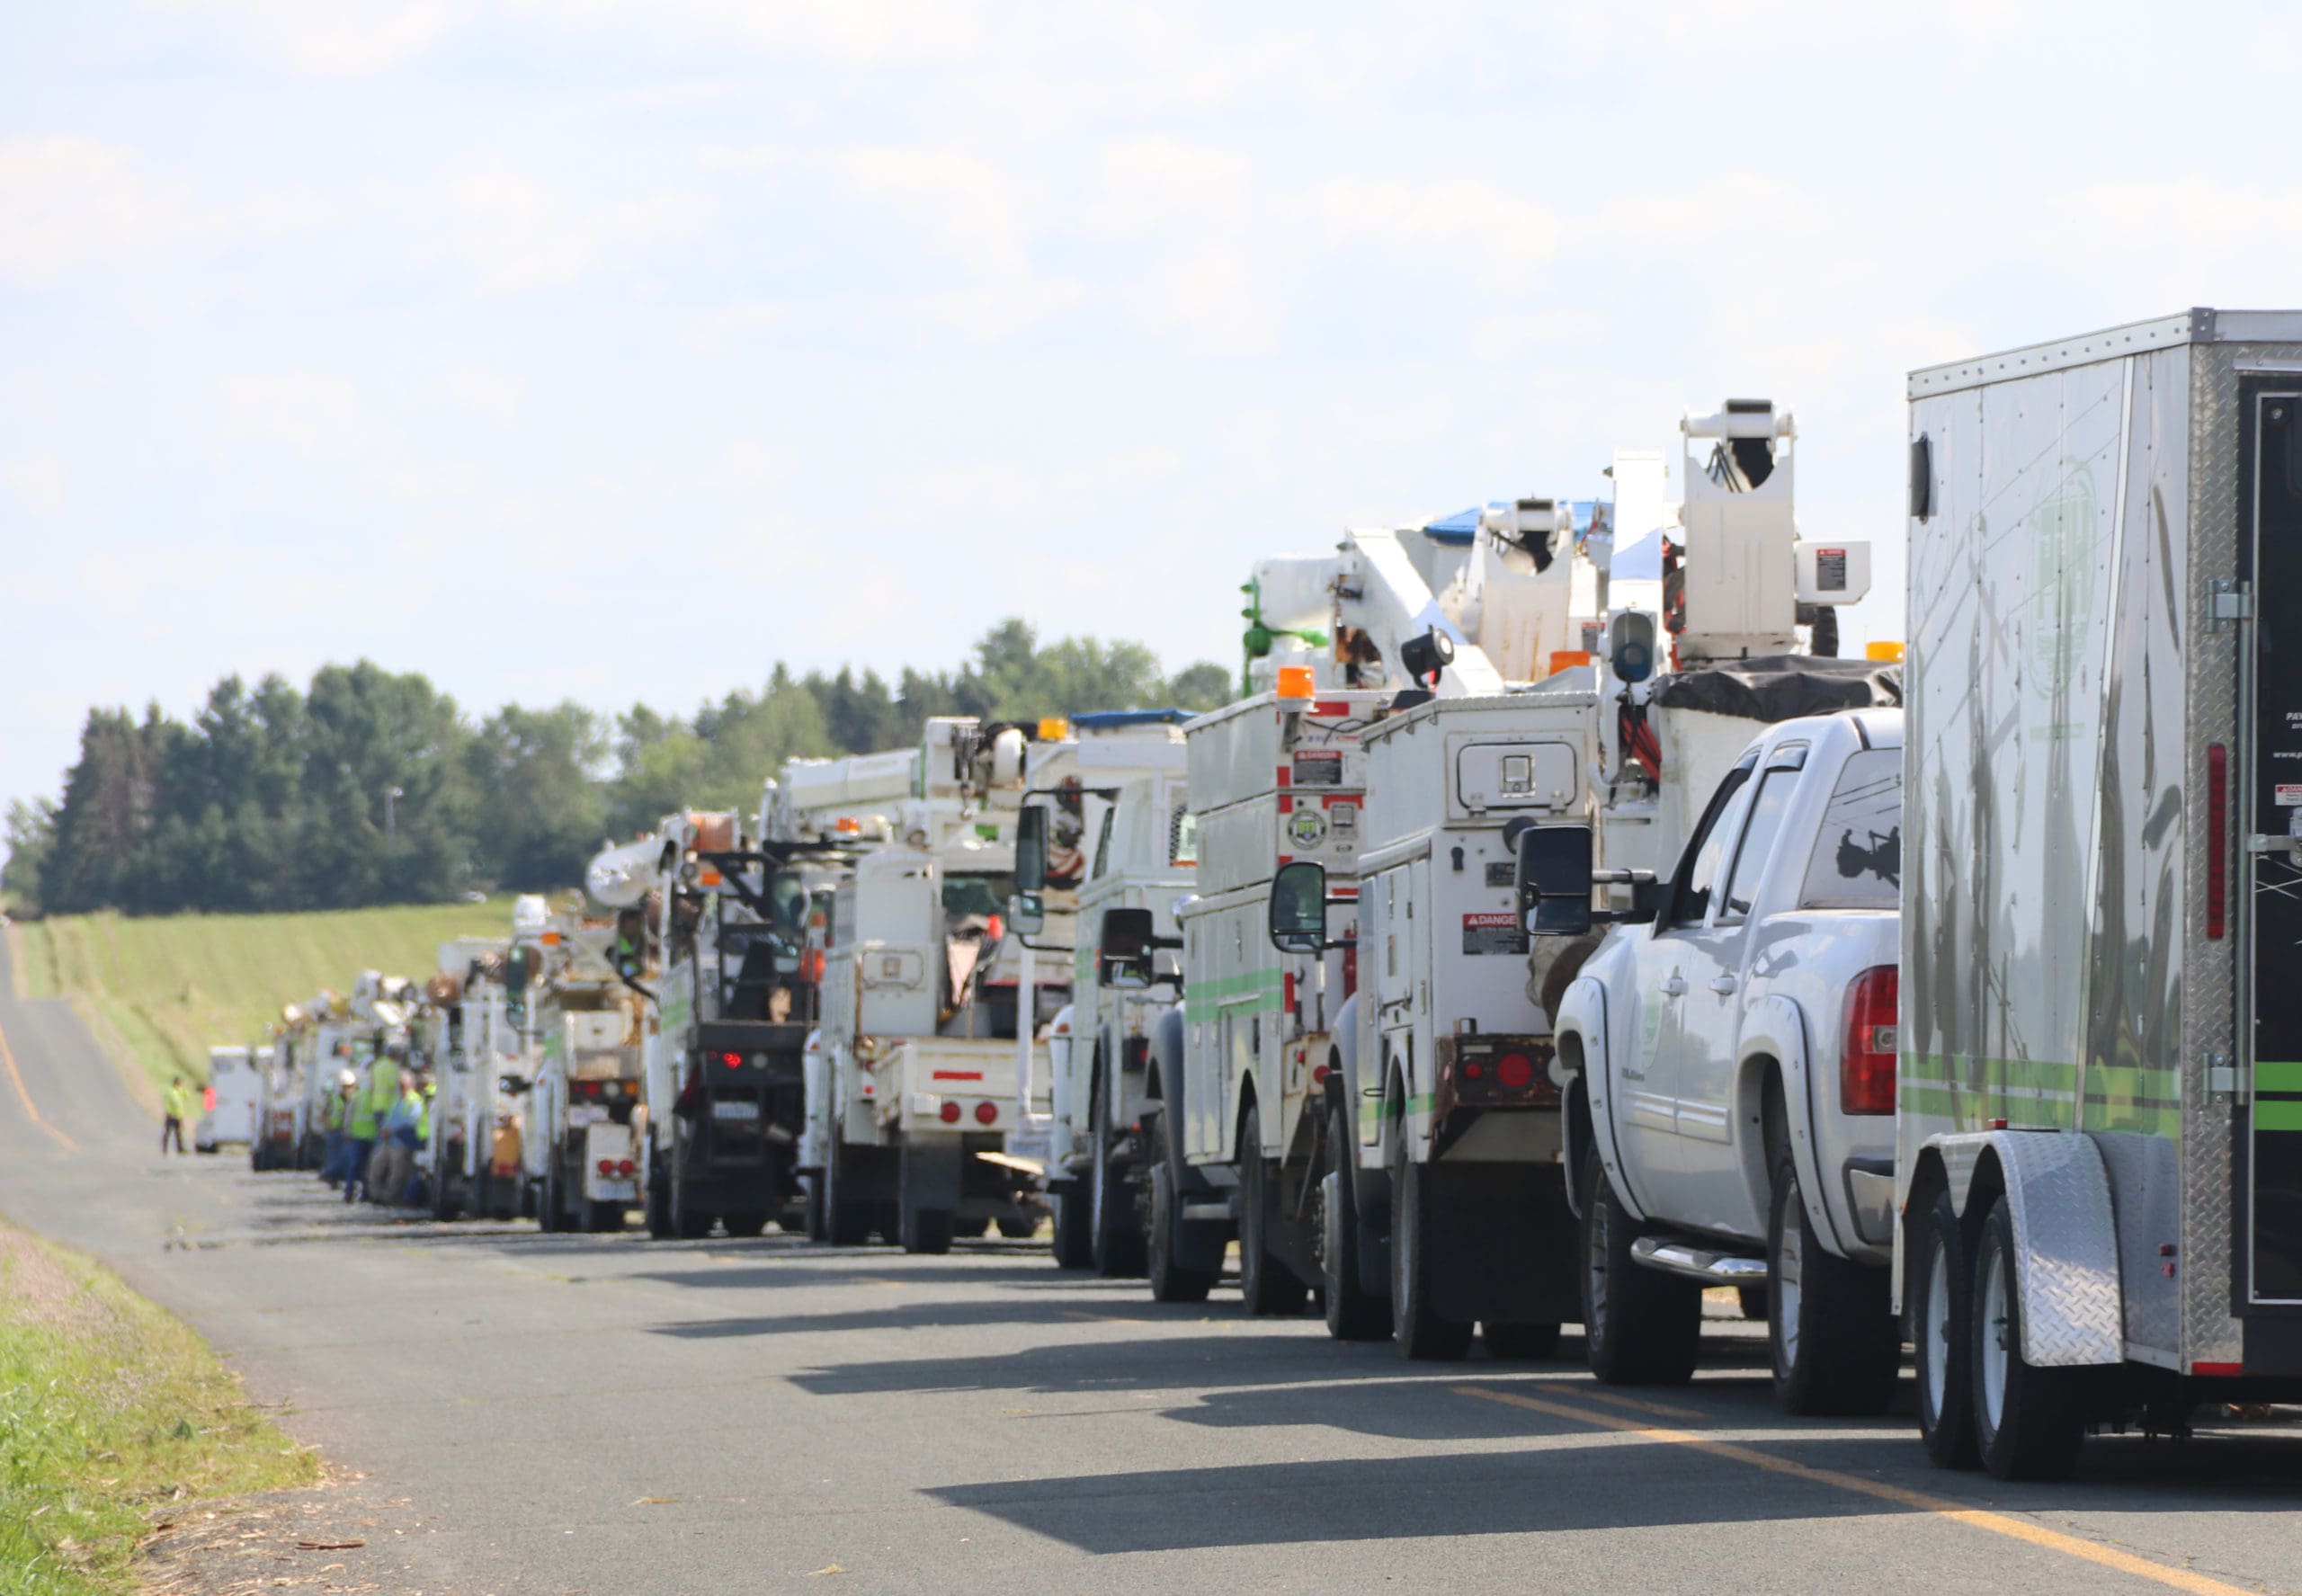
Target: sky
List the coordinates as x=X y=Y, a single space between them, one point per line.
x=614 y=352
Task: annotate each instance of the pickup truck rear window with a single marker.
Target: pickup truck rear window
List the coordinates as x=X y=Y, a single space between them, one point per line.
x=1858 y=858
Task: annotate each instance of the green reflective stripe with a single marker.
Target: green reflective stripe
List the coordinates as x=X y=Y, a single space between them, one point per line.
x=2158 y=1119
x=1209 y=1008
x=2133 y=1083
x=2027 y=1075
x=2281 y=1114
x=1231 y=986
x=2278 y=1077
x=1973 y=1107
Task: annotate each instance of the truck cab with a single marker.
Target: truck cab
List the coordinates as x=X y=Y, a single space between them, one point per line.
x=1732 y=1077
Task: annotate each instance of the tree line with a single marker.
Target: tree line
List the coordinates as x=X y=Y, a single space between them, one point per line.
x=371 y=787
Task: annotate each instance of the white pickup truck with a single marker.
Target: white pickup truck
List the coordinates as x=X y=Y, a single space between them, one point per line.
x=1729 y=1056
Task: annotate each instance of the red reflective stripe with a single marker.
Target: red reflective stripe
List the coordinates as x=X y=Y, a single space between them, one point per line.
x=958 y=1075
x=1330 y=707
x=2218 y=1368
x=1286 y=776
x=1286 y=803
x=2217 y=838
x=1287 y=996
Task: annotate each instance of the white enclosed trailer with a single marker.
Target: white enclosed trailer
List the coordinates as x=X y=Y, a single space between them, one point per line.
x=2099 y=1149
x=234 y=1086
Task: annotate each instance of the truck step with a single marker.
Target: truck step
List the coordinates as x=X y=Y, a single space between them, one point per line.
x=1699 y=1264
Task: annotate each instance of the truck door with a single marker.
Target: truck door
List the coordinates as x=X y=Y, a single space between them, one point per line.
x=1707 y=1125
x=1673 y=966
x=2270 y=813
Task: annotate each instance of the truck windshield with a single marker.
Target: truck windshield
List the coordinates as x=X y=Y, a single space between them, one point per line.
x=1858 y=858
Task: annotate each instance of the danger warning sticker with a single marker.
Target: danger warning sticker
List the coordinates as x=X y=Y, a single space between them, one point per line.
x=1317 y=767
x=2289 y=795
x=1494 y=933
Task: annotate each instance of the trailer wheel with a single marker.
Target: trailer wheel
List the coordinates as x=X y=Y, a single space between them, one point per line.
x=2028 y=1422
x=1832 y=1335
x=1516 y=1343
x=1352 y=1311
x=1417 y=1330
x=1266 y=1285
x=1941 y=1314
x=1170 y=1279
x=1115 y=1223
x=1641 y=1327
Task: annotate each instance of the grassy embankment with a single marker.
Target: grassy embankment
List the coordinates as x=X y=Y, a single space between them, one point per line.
x=161 y=992
x=109 y=1408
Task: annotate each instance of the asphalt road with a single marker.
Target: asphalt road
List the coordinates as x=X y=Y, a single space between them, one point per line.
x=609 y=1414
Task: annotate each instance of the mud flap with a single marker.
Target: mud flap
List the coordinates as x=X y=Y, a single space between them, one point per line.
x=1503 y=1244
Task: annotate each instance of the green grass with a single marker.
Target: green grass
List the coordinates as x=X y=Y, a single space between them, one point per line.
x=163 y=991
x=108 y=1406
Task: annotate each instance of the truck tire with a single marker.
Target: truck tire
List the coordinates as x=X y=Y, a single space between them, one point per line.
x=1520 y=1343
x=847 y=1222
x=2028 y=1422
x=1640 y=1327
x=1417 y=1330
x=972 y=1230
x=657 y=1205
x=1941 y=1281
x=1020 y=1229
x=603 y=1218
x=1834 y=1345
x=1266 y=1285
x=745 y=1225
x=1172 y=1280
x=818 y=1210
x=1073 y=1240
x=689 y=1222
x=920 y=1229
x=483 y=1195
x=1115 y=1223
x=548 y=1218
x=1352 y=1311
x=445 y=1205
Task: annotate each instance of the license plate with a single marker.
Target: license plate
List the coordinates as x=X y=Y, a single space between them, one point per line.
x=735 y=1108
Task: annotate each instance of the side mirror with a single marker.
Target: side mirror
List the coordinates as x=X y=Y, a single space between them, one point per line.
x=1026 y=914
x=1299 y=908
x=1123 y=949
x=1031 y=849
x=1554 y=879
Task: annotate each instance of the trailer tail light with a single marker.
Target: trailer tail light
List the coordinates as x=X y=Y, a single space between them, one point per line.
x=1514 y=1072
x=950 y=1113
x=625 y=1166
x=1866 y=1070
x=2218 y=837
x=985 y=1113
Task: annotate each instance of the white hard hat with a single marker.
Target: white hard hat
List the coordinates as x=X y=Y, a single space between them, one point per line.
x=347 y=1079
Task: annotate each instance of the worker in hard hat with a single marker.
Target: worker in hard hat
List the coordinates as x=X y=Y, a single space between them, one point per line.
x=175 y=1102
x=335 y=1118
x=361 y=1117
x=395 y=1149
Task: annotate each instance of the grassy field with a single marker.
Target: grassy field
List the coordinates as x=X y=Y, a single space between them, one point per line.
x=161 y=992
x=108 y=1408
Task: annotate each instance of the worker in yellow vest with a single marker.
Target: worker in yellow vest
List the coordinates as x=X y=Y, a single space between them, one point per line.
x=335 y=1120
x=175 y=1102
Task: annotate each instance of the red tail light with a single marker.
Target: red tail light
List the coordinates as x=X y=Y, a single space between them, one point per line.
x=607 y=1167
x=950 y=1113
x=1514 y=1072
x=732 y=1060
x=2218 y=836
x=985 y=1113
x=624 y=1166
x=1866 y=1071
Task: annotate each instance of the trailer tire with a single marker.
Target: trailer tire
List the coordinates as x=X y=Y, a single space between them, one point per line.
x=1115 y=1223
x=1267 y=1287
x=1640 y=1327
x=1941 y=1281
x=1352 y=1311
x=1417 y=1330
x=1520 y=1343
x=1831 y=1335
x=2028 y=1422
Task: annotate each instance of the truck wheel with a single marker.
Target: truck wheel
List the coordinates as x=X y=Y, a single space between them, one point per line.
x=1120 y=1248
x=1020 y=1230
x=1417 y=1330
x=1641 y=1327
x=2028 y=1422
x=1266 y=1285
x=1833 y=1336
x=1941 y=1312
x=1520 y=1343
x=657 y=1206
x=548 y=1214
x=1171 y=1280
x=1353 y=1312
x=603 y=1218
x=926 y=1231
x=1073 y=1241
x=818 y=1210
x=483 y=1195
x=847 y=1221
x=972 y=1229
x=444 y=1204
x=689 y=1223
x=745 y=1225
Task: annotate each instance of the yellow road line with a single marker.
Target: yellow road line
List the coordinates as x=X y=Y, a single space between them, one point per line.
x=1662 y=1409
x=17 y=1081
x=2181 y=1579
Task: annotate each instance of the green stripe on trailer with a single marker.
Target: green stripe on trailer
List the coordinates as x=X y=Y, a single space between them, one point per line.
x=2278 y=1077
x=2278 y=1114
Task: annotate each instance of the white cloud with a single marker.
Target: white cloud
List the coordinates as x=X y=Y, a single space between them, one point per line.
x=304 y=411
x=327 y=38
x=70 y=205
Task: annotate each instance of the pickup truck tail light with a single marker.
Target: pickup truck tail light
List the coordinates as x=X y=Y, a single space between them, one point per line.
x=1866 y=1069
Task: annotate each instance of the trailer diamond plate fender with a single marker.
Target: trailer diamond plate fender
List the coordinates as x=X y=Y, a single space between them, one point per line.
x=1584 y=1009
x=2065 y=1239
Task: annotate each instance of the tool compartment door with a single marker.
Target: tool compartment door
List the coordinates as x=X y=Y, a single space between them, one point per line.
x=2268 y=809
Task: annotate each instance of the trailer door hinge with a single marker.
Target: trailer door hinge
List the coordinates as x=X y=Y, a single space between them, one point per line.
x=2232 y=600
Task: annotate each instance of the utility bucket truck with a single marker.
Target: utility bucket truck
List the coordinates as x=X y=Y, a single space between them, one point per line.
x=925 y=1019
x=475 y=1158
x=2099 y=1145
x=578 y=1154
x=712 y=930
x=282 y=1106
x=1109 y=830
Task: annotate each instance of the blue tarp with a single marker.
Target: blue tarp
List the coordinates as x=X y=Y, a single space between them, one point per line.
x=1113 y=719
x=1462 y=526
